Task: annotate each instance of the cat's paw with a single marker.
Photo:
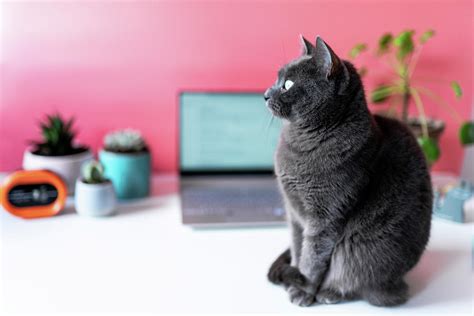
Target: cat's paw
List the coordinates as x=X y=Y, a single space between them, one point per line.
x=300 y=297
x=327 y=296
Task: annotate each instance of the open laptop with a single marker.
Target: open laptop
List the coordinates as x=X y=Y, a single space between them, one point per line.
x=226 y=160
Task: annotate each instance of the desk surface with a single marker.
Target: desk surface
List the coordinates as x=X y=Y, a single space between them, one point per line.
x=144 y=261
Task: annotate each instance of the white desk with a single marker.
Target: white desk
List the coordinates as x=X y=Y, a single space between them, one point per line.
x=144 y=261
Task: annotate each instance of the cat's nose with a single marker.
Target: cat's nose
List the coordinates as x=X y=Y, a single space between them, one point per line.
x=266 y=95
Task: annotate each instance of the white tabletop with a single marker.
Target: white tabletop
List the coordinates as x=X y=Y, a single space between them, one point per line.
x=143 y=260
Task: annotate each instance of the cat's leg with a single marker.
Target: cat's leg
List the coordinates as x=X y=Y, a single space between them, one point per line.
x=388 y=294
x=315 y=258
x=296 y=242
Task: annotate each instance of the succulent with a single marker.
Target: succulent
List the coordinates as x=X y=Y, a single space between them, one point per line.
x=93 y=173
x=58 y=137
x=125 y=141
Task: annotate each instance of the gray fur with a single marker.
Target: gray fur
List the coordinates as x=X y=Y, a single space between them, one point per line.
x=356 y=187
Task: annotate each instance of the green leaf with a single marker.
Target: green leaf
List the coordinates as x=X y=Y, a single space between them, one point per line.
x=381 y=93
x=430 y=149
x=426 y=36
x=457 y=89
x=384 y=43
x=466 y=133
x=404 y=42
x=357 y=50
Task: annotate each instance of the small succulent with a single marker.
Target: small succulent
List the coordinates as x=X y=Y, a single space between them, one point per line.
x=125 y=141
x=93 y=173
x=58 y=137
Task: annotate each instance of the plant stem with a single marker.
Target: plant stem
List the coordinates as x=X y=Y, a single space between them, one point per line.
x=441 y=102
x=421 y=111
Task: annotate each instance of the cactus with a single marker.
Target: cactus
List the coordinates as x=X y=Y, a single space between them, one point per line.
x=125 y=141
x=93 y=173
x=58 y=137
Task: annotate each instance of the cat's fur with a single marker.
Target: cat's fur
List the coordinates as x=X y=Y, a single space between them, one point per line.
x=356 y=187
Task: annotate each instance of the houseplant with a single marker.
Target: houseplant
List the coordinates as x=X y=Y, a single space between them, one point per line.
x=95 y=194
x=56 y=151
x=127 y=163
x=401 y=53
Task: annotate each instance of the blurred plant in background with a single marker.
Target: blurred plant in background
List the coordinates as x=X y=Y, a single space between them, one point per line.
x=93 y=173
x=58 y=137
x=402 y=52
x=125 y=141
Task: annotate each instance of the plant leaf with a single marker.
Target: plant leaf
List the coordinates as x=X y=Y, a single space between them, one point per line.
x=426 y=36
x=381 y=93
x=430 y=149
x=404 y=42
x=466 y=133
x=457 y=89
x=384 y=43
x=357 y=50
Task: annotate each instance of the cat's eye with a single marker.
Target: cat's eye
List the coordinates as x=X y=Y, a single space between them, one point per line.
x=288 y=84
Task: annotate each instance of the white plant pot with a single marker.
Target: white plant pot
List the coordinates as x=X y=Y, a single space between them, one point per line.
x=67 y=167
x=95 y=200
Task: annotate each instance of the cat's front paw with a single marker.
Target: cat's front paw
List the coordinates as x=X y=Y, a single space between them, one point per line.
x=300 y=297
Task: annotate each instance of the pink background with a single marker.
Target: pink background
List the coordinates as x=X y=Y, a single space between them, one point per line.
x=121 y=64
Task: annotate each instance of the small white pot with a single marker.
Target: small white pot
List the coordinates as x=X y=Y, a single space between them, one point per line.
x=67 y=167
x=95 y=200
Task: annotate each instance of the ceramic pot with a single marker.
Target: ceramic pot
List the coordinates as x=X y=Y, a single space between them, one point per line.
x=130 y=173
x=95 y=199
x=67 y=167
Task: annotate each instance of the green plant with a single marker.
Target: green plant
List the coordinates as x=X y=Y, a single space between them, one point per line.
x=125 y=141
x=402 y=52
x=58 y=137
x=93 y=173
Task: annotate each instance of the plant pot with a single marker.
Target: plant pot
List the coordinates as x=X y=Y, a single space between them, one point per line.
x=130 y=173
x=435 y=127
x=67 y=167
x=95 y=199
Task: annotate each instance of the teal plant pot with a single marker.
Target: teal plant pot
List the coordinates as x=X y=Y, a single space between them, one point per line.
x=130 y=173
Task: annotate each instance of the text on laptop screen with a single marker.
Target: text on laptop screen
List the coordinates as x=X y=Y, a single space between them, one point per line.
x=226 y=132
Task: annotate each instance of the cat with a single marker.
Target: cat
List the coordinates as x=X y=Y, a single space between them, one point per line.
x=356 y=187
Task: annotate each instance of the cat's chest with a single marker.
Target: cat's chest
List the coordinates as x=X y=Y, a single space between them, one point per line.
x=294 y=172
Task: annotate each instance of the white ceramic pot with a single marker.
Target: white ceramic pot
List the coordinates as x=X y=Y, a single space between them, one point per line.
x=95 y=200
x=67 y=167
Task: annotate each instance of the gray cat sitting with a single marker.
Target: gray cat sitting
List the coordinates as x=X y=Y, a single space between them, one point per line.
x=356 y=187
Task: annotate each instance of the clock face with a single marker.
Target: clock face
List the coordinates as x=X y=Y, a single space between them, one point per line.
x=33 y=193
x=27 y=195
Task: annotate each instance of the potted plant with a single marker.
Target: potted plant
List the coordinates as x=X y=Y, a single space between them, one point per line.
x=57 y=151
x=95 y=194
x=127 y=163
x=401 y=53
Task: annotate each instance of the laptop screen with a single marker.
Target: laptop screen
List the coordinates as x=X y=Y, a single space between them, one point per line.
x=226 y=132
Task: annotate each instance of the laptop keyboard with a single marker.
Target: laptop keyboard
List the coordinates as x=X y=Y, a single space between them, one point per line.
x=247 y=204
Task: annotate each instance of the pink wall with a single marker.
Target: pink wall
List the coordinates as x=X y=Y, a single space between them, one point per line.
x=121 y=64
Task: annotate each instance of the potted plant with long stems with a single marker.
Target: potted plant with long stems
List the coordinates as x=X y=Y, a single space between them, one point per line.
x=57 y=150
x=401 y=53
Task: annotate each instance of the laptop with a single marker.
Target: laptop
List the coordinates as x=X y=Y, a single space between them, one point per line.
x=226 y=144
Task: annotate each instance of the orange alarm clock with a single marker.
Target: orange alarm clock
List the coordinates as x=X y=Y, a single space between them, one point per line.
x=33 y=193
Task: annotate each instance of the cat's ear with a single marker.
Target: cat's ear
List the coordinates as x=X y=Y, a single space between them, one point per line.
x=306 y=47
x=325 y=58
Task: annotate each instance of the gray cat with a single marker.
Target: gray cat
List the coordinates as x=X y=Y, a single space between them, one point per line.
x=356 y=187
